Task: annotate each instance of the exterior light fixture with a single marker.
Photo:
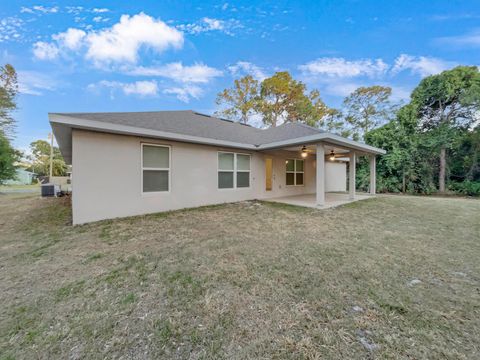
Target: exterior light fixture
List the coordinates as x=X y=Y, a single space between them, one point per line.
x=332 y=155
x=304 y=152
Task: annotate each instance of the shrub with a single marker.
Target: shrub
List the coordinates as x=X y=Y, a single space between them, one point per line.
x=467 y=187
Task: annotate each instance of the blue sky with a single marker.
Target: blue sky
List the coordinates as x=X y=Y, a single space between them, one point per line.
x=149 y=55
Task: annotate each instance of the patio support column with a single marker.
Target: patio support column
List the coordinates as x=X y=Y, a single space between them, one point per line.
x=320 y=175
x=351 y=175
x=373 y=175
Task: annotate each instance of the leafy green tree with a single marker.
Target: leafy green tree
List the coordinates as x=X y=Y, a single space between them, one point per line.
x=367 y=108
x=311 y=110
x=407 y=166
x=240 y=100
x=8 y=157
x=278 y=99
x=446 y=103
x=41 y=159
x=8 y=93
x=464 y=159
x=279 y=95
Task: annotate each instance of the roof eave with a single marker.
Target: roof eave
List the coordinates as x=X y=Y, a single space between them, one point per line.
x=63 y=124
x=92 y=125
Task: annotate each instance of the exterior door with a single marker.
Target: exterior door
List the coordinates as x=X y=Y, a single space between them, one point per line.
x=268 y=174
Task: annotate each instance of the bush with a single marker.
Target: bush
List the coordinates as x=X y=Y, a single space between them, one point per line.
x=470 y=188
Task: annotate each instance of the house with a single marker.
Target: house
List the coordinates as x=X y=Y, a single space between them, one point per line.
x=22 y=177
x=136 y=163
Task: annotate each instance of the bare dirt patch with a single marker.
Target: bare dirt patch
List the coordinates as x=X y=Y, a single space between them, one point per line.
x=245 y=280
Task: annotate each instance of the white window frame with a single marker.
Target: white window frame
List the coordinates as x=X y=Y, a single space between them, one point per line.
x=295 y=172
x=146 y=193
x=234 y=171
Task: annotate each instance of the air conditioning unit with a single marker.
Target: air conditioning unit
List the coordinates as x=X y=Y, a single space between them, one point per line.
x=50 y=190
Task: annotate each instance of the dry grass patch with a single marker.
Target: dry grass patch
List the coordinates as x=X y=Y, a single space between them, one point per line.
x=392 y=277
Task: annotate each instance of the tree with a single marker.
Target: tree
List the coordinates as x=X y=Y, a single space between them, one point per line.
x=279 y=99
x=445 y=103
x=464 y=159
x=283 y=99
x=41 y=159
x=407 y=165
x=311 y=110
x=367 y=108
x=240 y=99
x=8 y=157
x=8 y=93
x=276 y=93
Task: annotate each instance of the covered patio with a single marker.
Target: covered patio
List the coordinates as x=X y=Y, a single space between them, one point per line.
x=327 y=187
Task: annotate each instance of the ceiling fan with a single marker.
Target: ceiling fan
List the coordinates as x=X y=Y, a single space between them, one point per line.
x=332 y=156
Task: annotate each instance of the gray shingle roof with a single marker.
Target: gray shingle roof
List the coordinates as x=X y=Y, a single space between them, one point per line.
x=191 y=123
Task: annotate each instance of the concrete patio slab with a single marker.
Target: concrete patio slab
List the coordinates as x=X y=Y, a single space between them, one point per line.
x=309 y=200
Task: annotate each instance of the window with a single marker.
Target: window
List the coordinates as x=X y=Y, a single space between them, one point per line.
x=295 y=172
x=233 y=170
x=155 y=168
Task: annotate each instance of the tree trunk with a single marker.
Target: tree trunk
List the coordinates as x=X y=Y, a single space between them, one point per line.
x=404 y=180
x=441 y=174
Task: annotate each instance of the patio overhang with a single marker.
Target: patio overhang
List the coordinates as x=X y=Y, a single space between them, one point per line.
x=325 y=138
x=329 y=148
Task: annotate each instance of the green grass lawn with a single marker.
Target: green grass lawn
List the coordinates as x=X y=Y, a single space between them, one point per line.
x=391 y=277
x=19 y=188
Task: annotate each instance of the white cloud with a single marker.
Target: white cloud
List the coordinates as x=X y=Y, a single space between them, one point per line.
x=197 y=73
x=143 y=88
x=71 y=39
x=123 y=40
x=210 y=24
x=46 y=9
x=421 y=65
x=342 y=89
x=185 y=93
x=45 y=51
x=213 y=24
x=24 y=9
x=10 y=28
x=34 y=83
x=245 y=67
x=342 y=68
x=140 y=88
x=471 y=39
x=119 y=43
x=74 y=9
x=39 y=9
x=98 y=19
x=187 y=76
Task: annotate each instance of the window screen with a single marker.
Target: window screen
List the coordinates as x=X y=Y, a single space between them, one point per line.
x=155 y=168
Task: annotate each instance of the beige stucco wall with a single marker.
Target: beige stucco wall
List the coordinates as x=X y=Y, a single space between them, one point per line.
x=107 y=177
x=335 y=176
